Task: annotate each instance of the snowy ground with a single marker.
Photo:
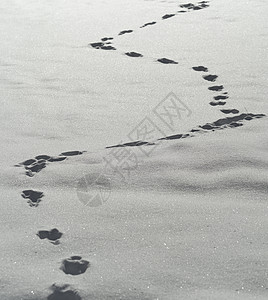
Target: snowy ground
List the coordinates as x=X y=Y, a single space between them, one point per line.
x=186 y=217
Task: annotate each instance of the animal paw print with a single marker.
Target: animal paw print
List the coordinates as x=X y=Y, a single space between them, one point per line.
x=34 y=197
x=74 y=265
x=35 y=165
x=52 y=235
x=63 y=292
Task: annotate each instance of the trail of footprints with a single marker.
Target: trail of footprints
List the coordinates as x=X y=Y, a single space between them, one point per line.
x=218 y=100
x=74 y=265
x=35 y=165
x=106 y=42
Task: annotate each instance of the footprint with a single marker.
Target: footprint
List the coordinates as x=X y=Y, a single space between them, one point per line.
x=220 y=97
x=200 y=69
x=45 y=157
x=217 y=88
x=197 y=7
x=131 y=144
x=124 y=32
x=107 y=39
x=33 y=196
x=97 y=45
x=213 y=103
x=148 y=24
x=53 y=235
x=74 y=265
x=234 y=124
x=108 y=48
x=182 y=11
x=28 y=162
x=72 y=153
x=35 y=167
x=210 y=77
x=54 y=159
x=167 y=61
x=187 y=5
x=167 y=16
x=230 y=111
x=175 y=137
x=63 y=292
x=133 y=54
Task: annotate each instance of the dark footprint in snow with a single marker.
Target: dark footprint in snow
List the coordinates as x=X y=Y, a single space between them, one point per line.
x=182 y=11
x=148 y=24
x=131 y=144
x=35 y=167
x=220 y=97
x=72 y=153
x=175 y=137
x=124 y=32
x=105 y=39
x=167 y=16
x=108 y=48
x=43 y=156
x=214 y=103
x=210 y=77
x=197 y=7
x=53 y=235
x=133 y=54
x=216 y=88
x=200 y=69
x=33 y=196
x=63 y=292
x=28 y=162
x=74 y=265
x=187 y=5
x=97 y=45
x=230 y=111
x=54 y=159
x=166 y=61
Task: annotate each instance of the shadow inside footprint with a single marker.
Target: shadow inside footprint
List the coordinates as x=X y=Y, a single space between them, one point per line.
x=107 y=39
x=175 y=137
x=216 y=88
x=63 y=292
x=33 y=196
x=74 y=265
x=54 y=159
x=210 y=77
x=148 y=24
x=230 y=111
x=52 y=235
x=133 y=54
x=187 y=5
x=97 y=45
x=35 y=167
x=214 y=103
x=71 y=153
x=166 y=61
x=220 y=97
x=108 y=48
x=167 y=16
x=200 y=69
x=131 y=144
x=124 y=32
